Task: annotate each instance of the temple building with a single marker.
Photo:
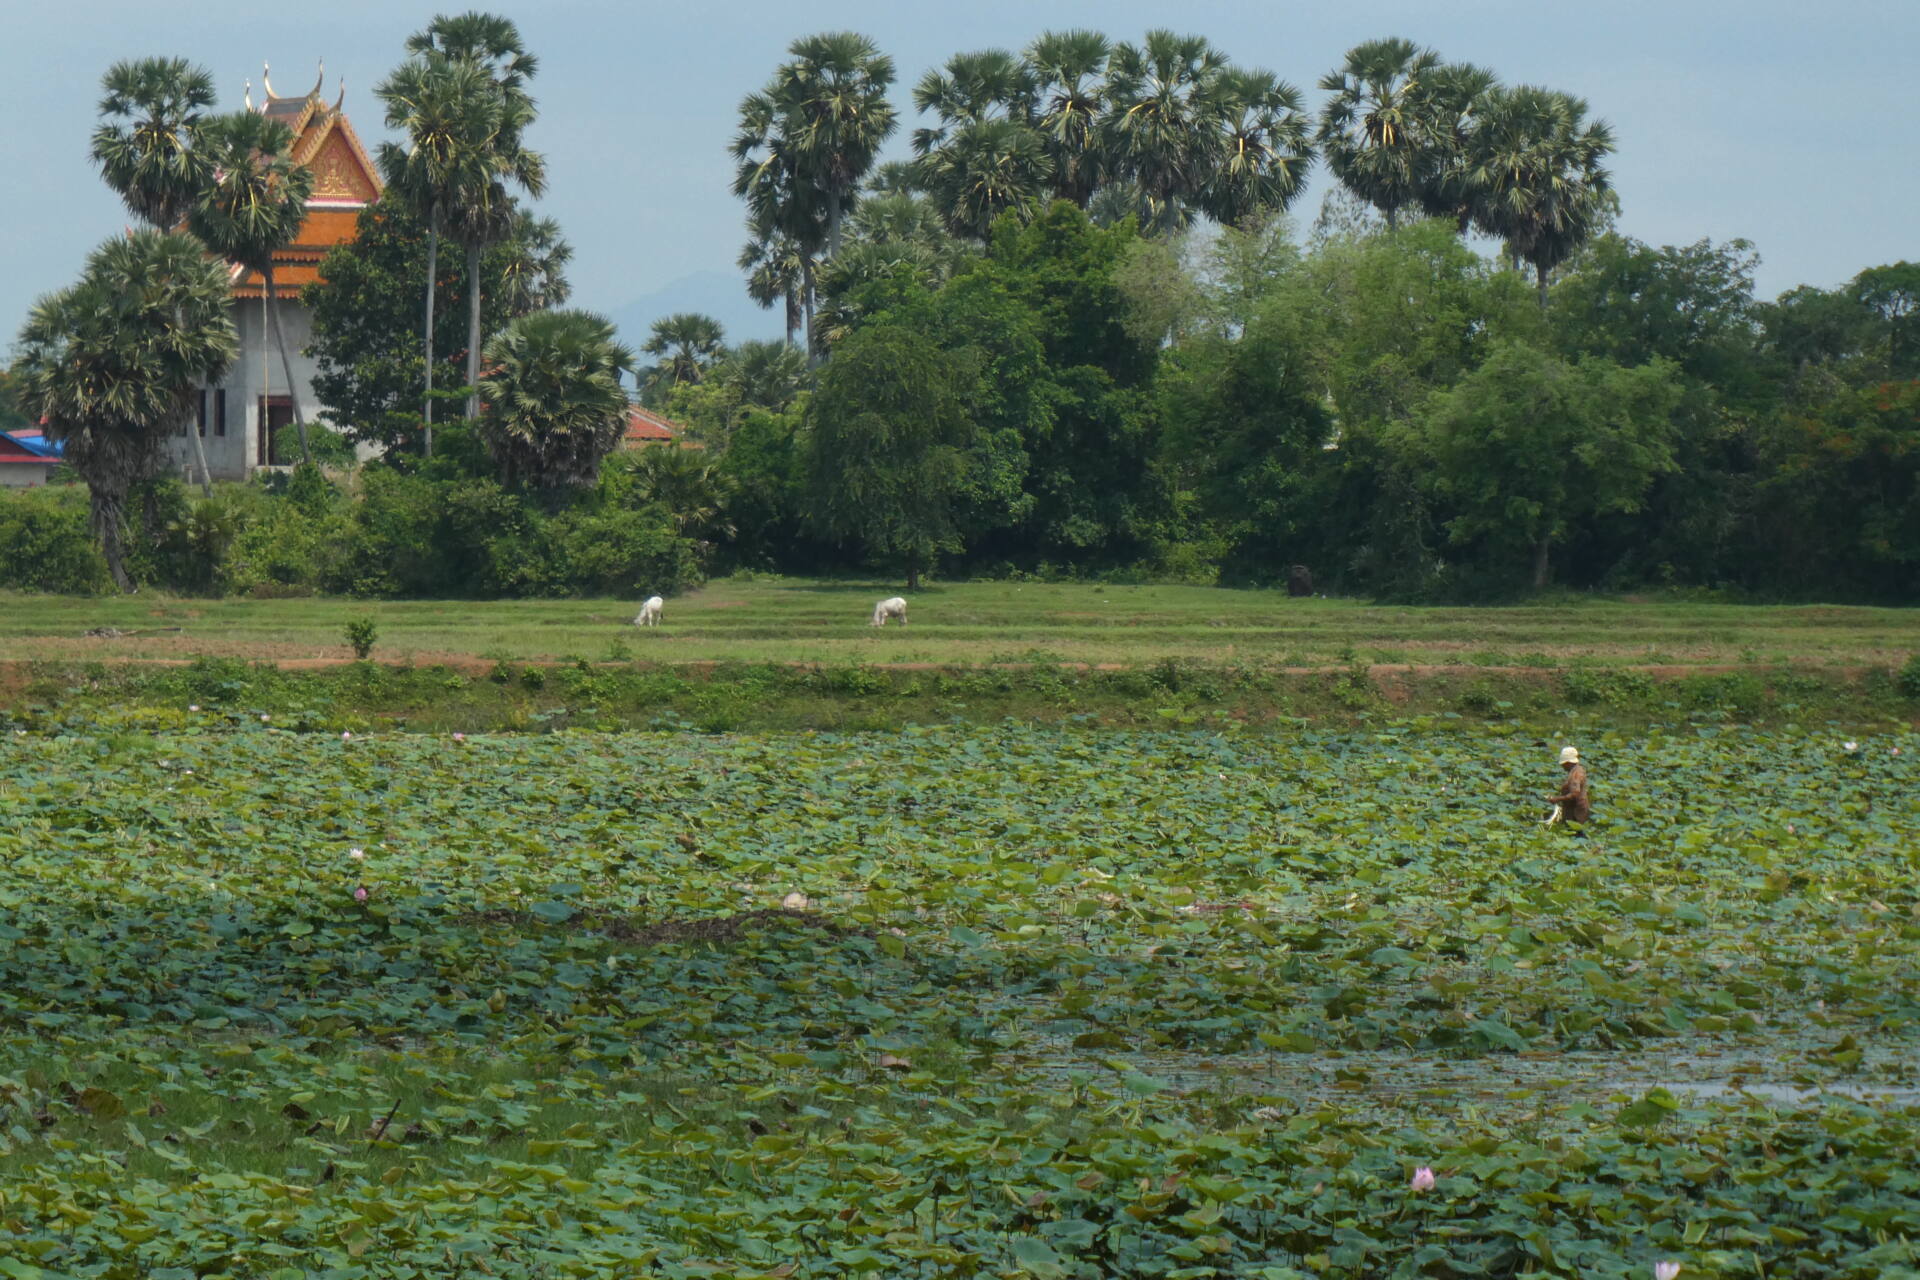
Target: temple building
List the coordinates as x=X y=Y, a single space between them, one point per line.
x=246 y=422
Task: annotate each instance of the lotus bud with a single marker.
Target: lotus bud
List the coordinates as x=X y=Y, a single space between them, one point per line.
x=357 y=854
x=1422 y=1179
x=193 y=706
x=1849 y=746
x=1665 y=1270
x=346 y=735
x=360 y=893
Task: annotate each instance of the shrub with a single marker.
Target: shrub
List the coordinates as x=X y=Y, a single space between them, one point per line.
x=1908 y=680
x=46 y=543
x=361 y=634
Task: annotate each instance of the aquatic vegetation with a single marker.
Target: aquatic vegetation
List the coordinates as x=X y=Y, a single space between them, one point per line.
x=955 y=1001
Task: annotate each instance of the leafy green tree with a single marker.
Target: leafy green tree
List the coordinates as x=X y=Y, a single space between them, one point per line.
x=254 y=207
x=111 y=364
x=147 y=144
x=1373 y=131
x=1527 y=446
x=887 y=449
x=1839 y=502
x=450 y=114
x=368 y=328
x=555 y=407
x=1892 y=295
x=1539 y=175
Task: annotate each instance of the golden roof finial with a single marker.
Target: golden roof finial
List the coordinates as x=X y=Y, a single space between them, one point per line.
x=321 y=80
x=266 y=80
x=341 y=101
x=249 y=94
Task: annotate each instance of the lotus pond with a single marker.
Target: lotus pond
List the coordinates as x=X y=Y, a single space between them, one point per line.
x=997 y=1001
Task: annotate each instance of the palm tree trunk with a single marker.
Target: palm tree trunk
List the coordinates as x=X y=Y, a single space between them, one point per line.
x=833 y=224
x=286 y=363
x=1393 y=216
x=1540 y=281
x=473 y=331
x=793 y=313
x=433 y=267
x=806 y=298
x=1540 y=564
x=108 y=517
x=200 y=456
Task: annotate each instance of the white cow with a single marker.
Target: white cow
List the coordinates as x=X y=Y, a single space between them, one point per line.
x=649 y=615
x=891 y=607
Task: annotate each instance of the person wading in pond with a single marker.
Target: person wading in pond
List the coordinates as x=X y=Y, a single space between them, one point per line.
x=1572 y=804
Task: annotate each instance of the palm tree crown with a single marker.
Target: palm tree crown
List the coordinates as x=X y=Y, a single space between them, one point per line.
x=1537 y=167
x=555 y=406
x=145 y=146
x=1372 y=131
x=110 y=364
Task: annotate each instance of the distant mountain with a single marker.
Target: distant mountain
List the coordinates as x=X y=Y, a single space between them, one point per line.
x=720 y=294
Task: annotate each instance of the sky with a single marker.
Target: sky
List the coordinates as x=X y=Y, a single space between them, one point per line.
x=1785 y=123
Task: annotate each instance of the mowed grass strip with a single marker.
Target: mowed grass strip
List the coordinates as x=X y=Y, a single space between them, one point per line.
x=970 y=624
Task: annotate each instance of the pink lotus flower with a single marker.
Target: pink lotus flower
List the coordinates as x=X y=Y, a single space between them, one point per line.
x=346 y=736
x=360 y=893
x=1422 y=1180
x=459 y=737
x=1665 y=1270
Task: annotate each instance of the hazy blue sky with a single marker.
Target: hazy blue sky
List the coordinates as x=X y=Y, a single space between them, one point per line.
x=1786 y=122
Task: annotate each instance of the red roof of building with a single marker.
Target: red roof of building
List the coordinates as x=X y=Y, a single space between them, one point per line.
x=645 y=424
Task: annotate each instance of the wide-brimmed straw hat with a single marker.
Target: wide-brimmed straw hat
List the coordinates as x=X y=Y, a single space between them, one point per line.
x=1569 y=755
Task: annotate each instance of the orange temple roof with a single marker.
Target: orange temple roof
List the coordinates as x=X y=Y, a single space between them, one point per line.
x=345 y=181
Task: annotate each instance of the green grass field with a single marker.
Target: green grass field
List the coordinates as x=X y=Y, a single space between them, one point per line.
x=972 y=623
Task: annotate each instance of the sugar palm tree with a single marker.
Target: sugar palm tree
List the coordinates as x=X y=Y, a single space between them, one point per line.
x=534 y=278
x=778 y=271
x=1454 y=95
x=973 y=88
x=482 y=211
x=984 y=169
x=254 y=207
x=146 y=145
x=1538 y=171
x=1069 y=72
x=111 y=364
x=1265 y=148
x=555 y=406
x=786 y=214
x=834 y=113
x=1371 y=131
x=767 y=374
x=689 y=342
x=1160 y=124
x=449 y=113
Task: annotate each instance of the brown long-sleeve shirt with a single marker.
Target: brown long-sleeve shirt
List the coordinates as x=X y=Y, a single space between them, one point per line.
x=1575 y=804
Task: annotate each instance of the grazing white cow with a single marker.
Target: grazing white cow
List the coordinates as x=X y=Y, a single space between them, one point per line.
x=891 y=607
x=649 y=615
